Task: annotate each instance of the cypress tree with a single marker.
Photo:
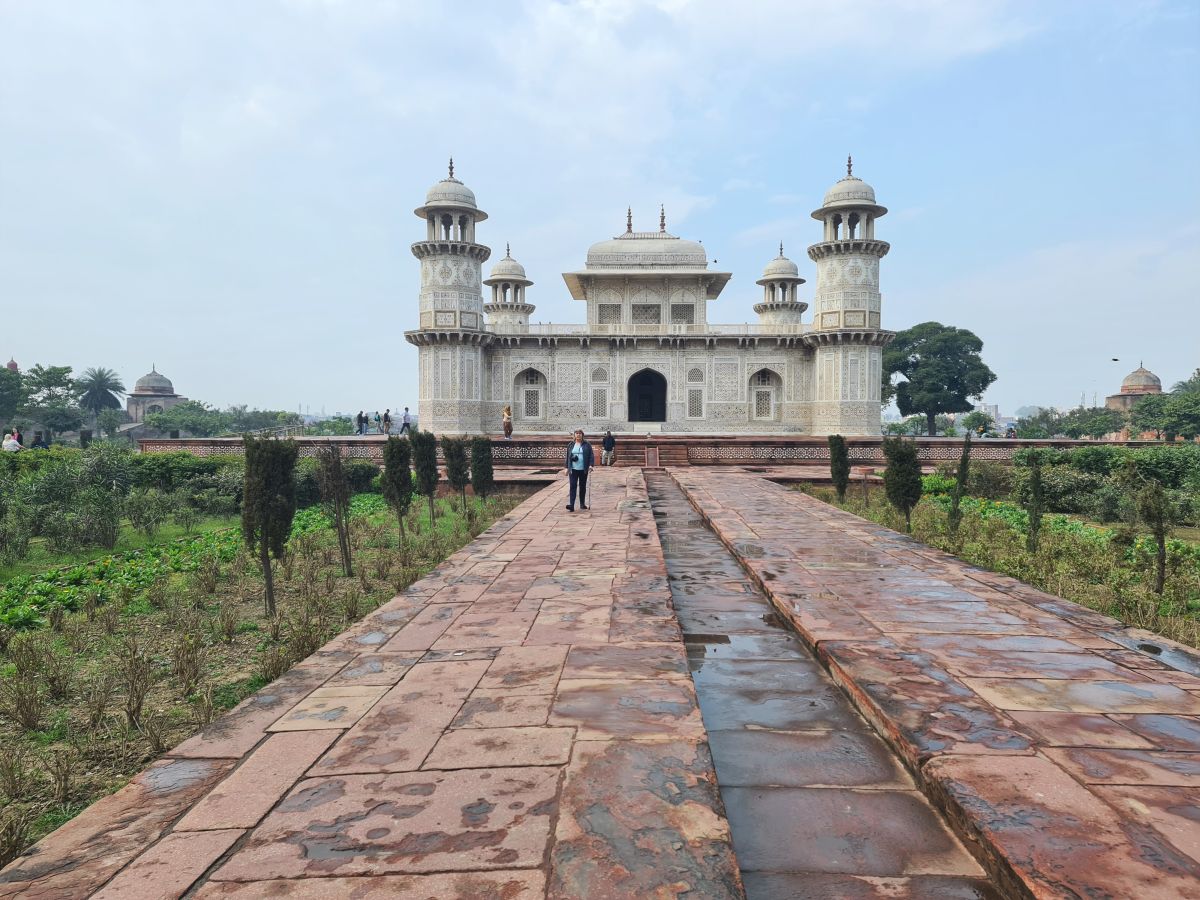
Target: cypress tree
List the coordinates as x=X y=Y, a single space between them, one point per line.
x=1033 y=498
x=335 y=494
x=482 y=475
x=268 y=503
x=397 y=480
x=839 y=465
x=425 y=468
x=954 y=519
x=902 y=477
x=458 y=471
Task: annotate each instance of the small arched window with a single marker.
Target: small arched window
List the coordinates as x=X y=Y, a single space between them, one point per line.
x=695 y=375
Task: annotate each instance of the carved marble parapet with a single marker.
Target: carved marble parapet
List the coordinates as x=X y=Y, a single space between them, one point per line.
x=855 y=245
x=478 y=252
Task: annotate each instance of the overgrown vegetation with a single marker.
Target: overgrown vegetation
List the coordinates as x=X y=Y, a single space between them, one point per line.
x=121 y=659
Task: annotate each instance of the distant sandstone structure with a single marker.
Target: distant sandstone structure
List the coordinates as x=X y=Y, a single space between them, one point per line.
x=153 y=393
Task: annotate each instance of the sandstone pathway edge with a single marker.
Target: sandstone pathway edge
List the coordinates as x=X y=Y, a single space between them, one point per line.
x=1070 y=760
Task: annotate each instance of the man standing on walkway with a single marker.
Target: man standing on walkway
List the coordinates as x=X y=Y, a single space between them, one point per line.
x=387 y=421
x=406 y=423
x=608 y=449
x=580 y=461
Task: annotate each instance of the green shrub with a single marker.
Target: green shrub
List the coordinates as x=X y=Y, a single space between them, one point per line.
x=936 y=484
x=1170 y=466
x=989 y=480
x=1098 y=460
x=1064 y=488
x=361 y=475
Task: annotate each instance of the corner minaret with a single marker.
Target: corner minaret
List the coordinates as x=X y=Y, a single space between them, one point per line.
x=451 y=335
x=508 y=310
x=846 y=323
x=780 y=304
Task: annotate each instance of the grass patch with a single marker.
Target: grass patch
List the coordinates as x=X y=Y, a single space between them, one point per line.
x=41 y=557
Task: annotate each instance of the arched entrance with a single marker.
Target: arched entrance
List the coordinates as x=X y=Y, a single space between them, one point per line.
x=647 y=397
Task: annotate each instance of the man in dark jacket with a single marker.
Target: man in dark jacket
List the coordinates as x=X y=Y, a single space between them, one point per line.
x=608 y=446
x=580 y=461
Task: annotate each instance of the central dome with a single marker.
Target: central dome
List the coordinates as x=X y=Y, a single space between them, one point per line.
x=153 y=383
x=647 y=249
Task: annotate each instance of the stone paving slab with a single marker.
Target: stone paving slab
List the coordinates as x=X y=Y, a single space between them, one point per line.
x=1072 y=760
x=518 y=724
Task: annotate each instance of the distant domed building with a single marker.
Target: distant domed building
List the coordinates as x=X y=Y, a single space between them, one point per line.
x=648 y=356
x=12 y=365
x=153 y=393
x=1137 y=384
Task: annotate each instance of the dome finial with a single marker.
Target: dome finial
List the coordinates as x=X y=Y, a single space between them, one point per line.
x=452 y=167
x=662 y=218
x=629 y=220
x=507 y=250
x=781 y=249
x=849 y=165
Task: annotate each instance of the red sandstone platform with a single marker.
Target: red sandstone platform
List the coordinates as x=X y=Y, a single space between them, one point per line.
x=522 y=723
x=1071 y=758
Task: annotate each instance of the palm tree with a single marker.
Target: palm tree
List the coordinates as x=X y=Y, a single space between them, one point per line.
x=98 y=390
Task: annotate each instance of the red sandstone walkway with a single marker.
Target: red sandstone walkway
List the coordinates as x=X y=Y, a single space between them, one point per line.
x=1073 y=759
x=519 y=724
x=522 y=724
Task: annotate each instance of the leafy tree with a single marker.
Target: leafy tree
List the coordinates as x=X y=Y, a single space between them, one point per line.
x=425 y=467
x=335 y=425
x=978 y=422
x=192 y=416
x=941 y=367
x=954 y=519
x=458 y=471
x=99 y=389
x=1183 y=414
x=839 y=465
x=1150 y=414
x=397 y=480
x=1041 y=424
x=902 y=477
x=1188 y=386
x=482 y=474
x=269 y=503
x=1152 y=508
x=13 y=394
x=1093 y=422
x=51 y=398
x=110 y=421
x=241 y=419
x=335 y=494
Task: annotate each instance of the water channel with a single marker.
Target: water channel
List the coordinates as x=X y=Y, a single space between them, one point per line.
x=818 y=805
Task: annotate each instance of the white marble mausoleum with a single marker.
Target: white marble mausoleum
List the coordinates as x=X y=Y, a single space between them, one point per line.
x=647 y=357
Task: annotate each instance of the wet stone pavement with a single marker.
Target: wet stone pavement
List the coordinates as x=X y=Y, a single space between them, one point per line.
x=561 y=710
x=1068 y=757
x=818 y=805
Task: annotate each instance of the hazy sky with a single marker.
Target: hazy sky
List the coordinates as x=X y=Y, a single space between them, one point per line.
x=226 y=189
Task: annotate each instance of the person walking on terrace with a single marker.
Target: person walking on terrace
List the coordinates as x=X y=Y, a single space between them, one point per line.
x=507 y=415
x=406 y=423
x=387 y=421
x=580 y=461
x=608 y=449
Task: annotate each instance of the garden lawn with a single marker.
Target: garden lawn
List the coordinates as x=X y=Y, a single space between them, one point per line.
x=41 y=557
x=183 y=625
